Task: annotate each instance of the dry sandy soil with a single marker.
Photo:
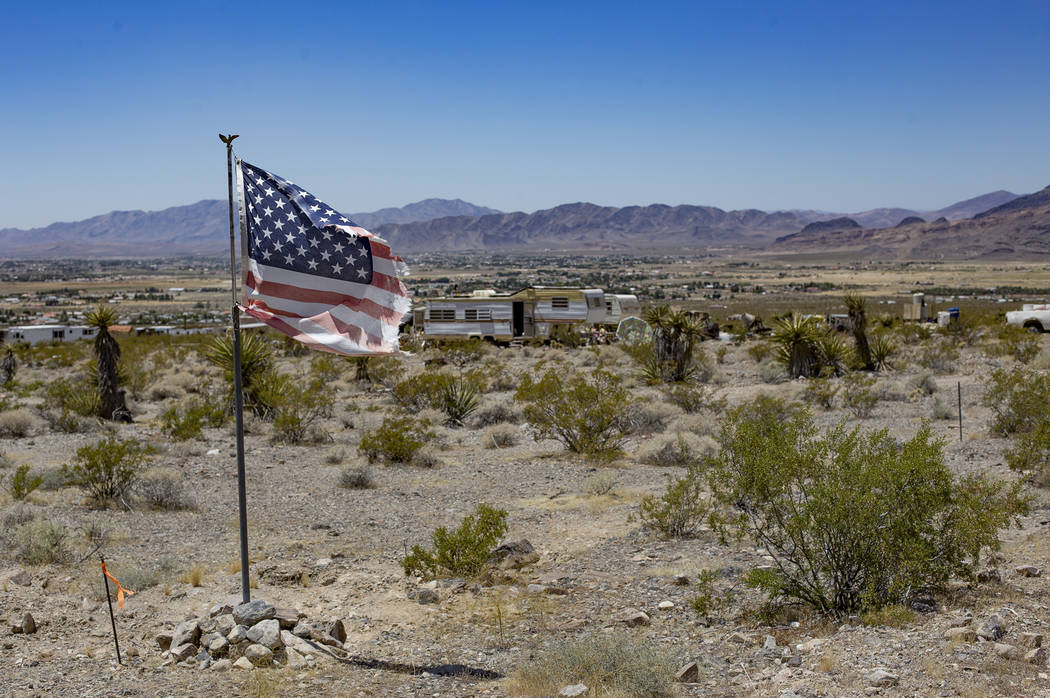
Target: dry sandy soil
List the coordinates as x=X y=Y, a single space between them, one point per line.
x=333 y=552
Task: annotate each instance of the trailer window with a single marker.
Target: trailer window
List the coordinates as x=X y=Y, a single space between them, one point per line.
x=477 y=314
x=443 y=314
x=560 y=302
x=594 y=301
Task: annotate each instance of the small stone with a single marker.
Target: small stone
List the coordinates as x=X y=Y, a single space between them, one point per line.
x=1028 y=571
x=989 y=576
x=17 y=575
x=164 y=640
x=1007 y=651
x=188 y=632
x=301 y=629
x=426 y=596
x=258 y=655
x=248 y=614
x=28 y=624
x=514 y=555
x=535 y=589
x=183 y=652
x=770 y=643
x=665 y=605
x=287 y=617
x=295 y=660
x=738 y=637
x=336 y=630
x=1031 y=640
x=244 y=663
x=635 y=619
x=794 y=661
x=132 y=651
x=237 y=635
x=690 y=673
x=203 y=659
x=1036 y=656
x=992 y=629
x=960 y=619
x=681 y=580
x=266 y=633
x=960 y=635
x=224 y=624
x=880 y=678
x=219 y=645
x=223 y=665
x=576 y=689
x=810 y=645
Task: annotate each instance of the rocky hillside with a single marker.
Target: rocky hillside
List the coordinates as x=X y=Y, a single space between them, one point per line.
x=889 y=217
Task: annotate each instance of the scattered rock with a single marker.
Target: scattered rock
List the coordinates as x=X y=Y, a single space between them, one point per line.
x=183 y=652
x=960 y=619
x=1028 y=571
x=880 y=678
x=535 y=589
x=224 y=624
x=514 y=555
x=690 y=673
x=989 y=576
x=577 y=689
x=634 y=619
x=25 y=624
x=960 y=635
x=244 y=663
x=237 y=635
x=287 y=617
x=295 y=660
x=266 y=633
x=188 y=633
x=665 y=605
x=1007 y=651
x=810 y=645
x=738 y=637
x=248 y=614
x=794 y=661
x=681 y=580
x=164 y=640
x=770 y=643
x=992 y=629
x=218 y=645
x=924 y=604
x=258 y=655
x=1036 y=656
x=425 y=596
x=1031 y=640
x=223 y=665
x=336 y=630
x=17 y=575
x=203 y=659
x=224 y=608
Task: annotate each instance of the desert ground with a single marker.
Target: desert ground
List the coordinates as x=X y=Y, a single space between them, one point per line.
x=329 y=528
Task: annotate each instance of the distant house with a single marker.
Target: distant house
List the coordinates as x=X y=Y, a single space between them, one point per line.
x=38 y=334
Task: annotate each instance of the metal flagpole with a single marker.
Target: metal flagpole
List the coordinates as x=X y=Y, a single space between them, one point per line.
x=238 y=398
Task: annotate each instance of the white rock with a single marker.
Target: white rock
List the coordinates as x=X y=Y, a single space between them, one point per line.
x=223 y=665
x=576 y=689
x=266 y=633
x=880 y=678
x=244 y=663
x=664 y=605
x=295 y=660
x=212 y=451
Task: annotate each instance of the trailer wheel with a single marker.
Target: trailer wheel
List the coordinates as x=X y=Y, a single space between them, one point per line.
x=1034 y=326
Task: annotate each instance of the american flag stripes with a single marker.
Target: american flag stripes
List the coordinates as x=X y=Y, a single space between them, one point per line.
x=315 y=275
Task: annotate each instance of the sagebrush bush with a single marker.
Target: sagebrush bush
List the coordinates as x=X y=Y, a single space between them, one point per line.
x=106 y=469
x=680 y=449
x=586 y=413
x=852 y=520
x=40 y=542
x=821 y=392
x=462 y=552
x=299 y=410
x=188 y=419
x=20 y=483
x=18 y=423
x=496 y=414
x=925 y=383
x=859 y=394
x=939 y=356
x=500 y=436
x=356 y=477
x=695 y=397
x=397 y=440
x=77 y=395
x=609 y=665
x=681 y=510
x=601 y=483
x=1030 y=453
x=164 y=489
x=422 y=390
x=1017 y=398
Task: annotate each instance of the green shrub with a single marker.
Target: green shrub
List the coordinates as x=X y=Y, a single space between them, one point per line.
x=821 y=392
x=77 y=395
x=695 y=397
x=671 y=451
x=496 y=414
x=708 y=598
x=40 y=542
x=853 y=521
x=859 y=395
x=424 y=390
x=356 y=477
x=164 y=490
x=397 y=440
x=461 y=352
x=106 y=469
x=586 y=414
x=499 y=436
x=21 y=483
x=187 y=420
x=1019 y=343
x=939 y=356
x=1030 y=453
x=299 y=409
x=1017 y=399
x=680 y=511
x=462 y=552
x=609 y=665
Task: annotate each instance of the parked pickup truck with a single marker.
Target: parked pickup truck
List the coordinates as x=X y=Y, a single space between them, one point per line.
x=1036 y=318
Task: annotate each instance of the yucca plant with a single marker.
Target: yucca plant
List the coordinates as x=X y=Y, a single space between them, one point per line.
x=675 y=335
x=107 y=357
x=459 y=399
x=256 y=365
x=834 y=354
x=882 y=348
x=796 y=338
x=857 y=309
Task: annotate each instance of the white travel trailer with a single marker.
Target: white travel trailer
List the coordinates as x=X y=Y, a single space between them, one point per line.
x=620 y=305
x=38 y=334
x=533 y=313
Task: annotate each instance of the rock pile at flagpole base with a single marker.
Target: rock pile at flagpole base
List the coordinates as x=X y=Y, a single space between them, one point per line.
x=250 y=635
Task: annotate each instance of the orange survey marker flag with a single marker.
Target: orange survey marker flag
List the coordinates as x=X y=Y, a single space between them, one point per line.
x=120 y=590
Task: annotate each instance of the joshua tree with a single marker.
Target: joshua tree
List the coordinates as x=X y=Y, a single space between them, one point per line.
x=797 y=339
x=856 y=307
x=107 y=355
x=674 y=338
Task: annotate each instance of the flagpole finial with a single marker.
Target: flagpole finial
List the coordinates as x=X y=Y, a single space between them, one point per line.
x=228 y=139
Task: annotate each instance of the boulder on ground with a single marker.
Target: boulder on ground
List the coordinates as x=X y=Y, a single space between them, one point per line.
x=258 y=655
x=514 y=555
x=248 y=614
x=266 y=633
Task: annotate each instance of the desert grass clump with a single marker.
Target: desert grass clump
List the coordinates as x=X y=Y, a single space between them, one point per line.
x=938 y=356
x=498 y=413
x=357 y=477
x=586 y=413
x=500 y=436
x=615 y=665
x=925 y=383
x=462 y=552
x=18 y=423
x=164 y=490
x=678 y=450
x=681 y=510
x=898 y=519
x=600 y=483
x=107 y=469
x=39 y=542
x=943 y=410
x=20 y=484
x=397 y=440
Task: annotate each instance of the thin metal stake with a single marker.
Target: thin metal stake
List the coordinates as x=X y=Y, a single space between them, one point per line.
x=238 y=399
x=109 y=601
x=958 y=385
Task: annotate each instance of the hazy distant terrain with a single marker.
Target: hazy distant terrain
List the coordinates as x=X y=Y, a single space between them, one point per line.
x=1005 y=225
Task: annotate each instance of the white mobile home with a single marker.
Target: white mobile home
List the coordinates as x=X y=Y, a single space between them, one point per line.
x=620 y=305
x=534 y=312
x=37 y=334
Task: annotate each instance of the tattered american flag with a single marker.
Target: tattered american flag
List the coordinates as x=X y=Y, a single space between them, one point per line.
x=315 y=275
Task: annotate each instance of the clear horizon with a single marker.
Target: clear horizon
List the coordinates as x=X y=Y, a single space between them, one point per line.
x=816 y=106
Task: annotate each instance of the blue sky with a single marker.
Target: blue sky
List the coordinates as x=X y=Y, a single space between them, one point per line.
x=520 y=106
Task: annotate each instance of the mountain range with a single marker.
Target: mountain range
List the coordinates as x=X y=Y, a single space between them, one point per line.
x=996 y=224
